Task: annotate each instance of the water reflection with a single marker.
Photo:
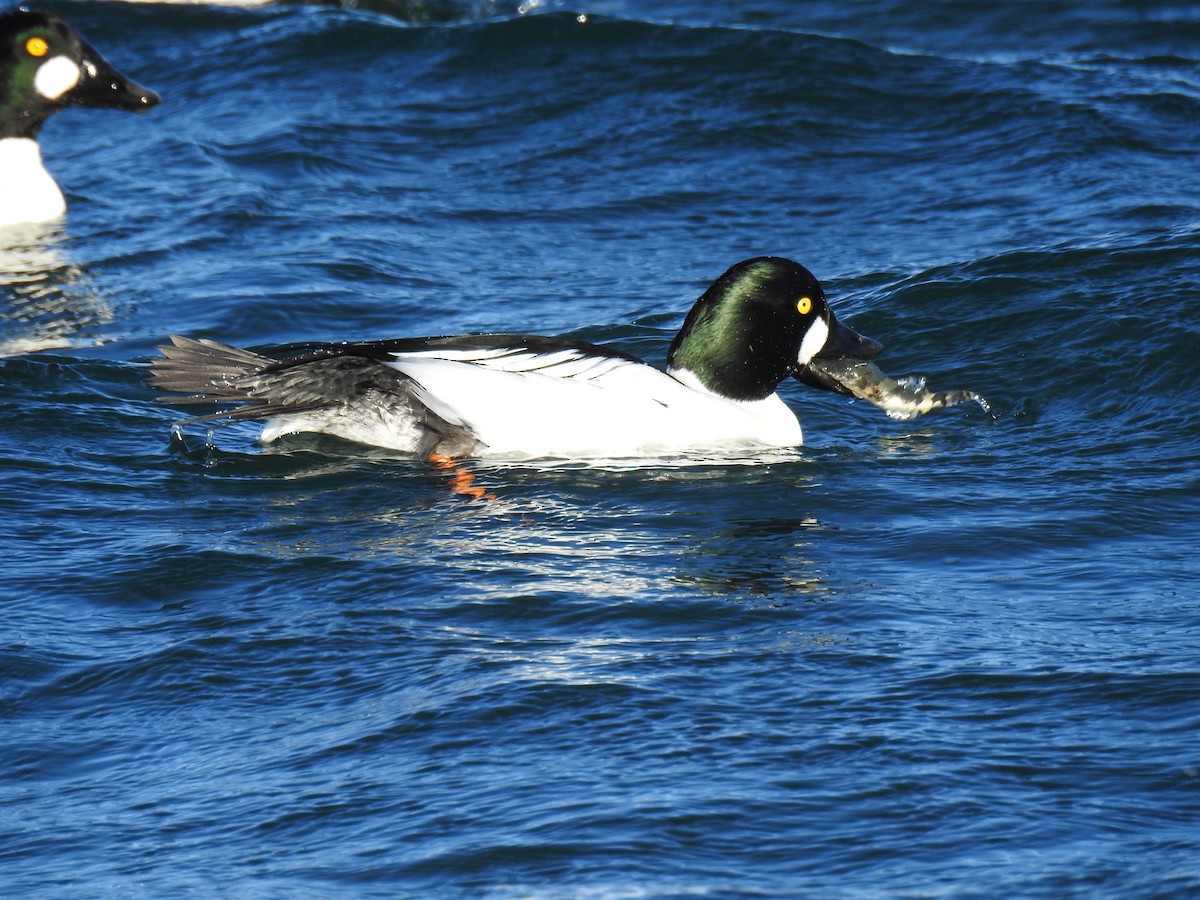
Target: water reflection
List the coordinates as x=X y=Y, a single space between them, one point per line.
x=773 y=558
x=572 y=532
x=46 y=302
x=920 y=442
x=561 y=536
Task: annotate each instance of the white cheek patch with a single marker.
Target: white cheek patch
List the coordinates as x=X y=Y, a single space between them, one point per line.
x=814 y=340
x=55 y=77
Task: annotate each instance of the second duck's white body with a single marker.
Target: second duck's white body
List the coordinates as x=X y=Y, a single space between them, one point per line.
x=27 y=191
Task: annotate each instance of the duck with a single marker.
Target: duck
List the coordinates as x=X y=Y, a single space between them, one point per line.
x=46 y=66
x=531 y=396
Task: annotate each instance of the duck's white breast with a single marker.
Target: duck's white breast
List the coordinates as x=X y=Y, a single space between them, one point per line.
x=27 y=192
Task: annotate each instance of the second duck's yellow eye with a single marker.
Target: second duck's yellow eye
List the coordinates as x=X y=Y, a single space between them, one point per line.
x=804 y=306
x=37 y=46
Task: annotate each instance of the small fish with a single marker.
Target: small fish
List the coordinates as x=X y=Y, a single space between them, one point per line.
x=900 y=398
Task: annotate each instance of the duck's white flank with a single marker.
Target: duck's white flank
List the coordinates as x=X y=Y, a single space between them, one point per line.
x=559 y=404
x=27 y=192
x=583 y=407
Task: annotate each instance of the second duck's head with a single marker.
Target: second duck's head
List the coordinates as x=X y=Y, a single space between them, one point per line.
x=46 y=66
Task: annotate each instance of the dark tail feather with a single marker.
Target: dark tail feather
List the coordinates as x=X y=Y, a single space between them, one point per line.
x=204 y=368
x=259 y=387
x=211 y=372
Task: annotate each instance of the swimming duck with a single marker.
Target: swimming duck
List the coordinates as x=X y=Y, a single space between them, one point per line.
x=46 y=66
x=506 y=395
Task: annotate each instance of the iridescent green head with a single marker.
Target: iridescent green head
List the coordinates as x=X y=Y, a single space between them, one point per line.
x=757 y=324
x=45 y=66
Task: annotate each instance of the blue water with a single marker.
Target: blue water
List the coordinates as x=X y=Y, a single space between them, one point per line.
x=958 y=656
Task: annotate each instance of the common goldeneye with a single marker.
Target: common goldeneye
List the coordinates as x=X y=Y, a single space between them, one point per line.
x=506 y=395
x=46 y=66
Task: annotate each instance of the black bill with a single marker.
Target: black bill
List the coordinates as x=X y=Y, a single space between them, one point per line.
x=103 y=87
x=843 y=343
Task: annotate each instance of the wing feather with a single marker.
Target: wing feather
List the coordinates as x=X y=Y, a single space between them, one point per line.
x=340 y=394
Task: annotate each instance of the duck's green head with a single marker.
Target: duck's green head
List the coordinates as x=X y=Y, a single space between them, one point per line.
x=46 y=66
x=760 y=322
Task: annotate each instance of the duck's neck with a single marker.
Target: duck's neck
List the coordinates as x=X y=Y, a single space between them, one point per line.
x=27 y=192
x=690 y=379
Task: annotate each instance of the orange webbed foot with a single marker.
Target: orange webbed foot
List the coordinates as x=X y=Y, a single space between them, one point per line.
x=462 y=479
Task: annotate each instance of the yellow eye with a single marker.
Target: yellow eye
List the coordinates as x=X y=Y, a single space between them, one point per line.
x=804 y=306
x=37 y=46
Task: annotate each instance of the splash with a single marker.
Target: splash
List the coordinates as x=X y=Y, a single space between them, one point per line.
x=900 y=398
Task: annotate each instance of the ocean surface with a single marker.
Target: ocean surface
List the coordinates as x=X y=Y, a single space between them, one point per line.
x=957 y=656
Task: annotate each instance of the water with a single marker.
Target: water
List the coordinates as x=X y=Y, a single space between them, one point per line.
x=950 y=656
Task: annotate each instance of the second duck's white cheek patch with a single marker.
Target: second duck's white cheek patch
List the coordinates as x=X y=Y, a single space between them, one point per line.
x=814 y=340
x=55 y=77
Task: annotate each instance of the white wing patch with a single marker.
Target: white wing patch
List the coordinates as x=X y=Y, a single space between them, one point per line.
x=565 y=363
